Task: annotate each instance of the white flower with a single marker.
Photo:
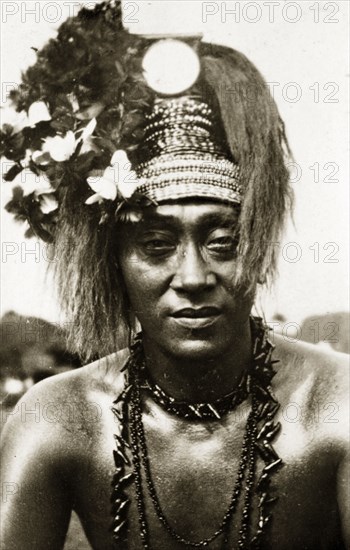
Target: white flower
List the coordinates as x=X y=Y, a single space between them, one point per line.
x=38 y=112
x=46 y=198
x=116 y=178
x=119 y=156
x=88 y=143
x=88 y=130
x=60 y=148
x=48 y=203
x=44 y=188
x=41 y=157
x=30 y=182
x=127 y=178
x=17 y=120
x=41 y=187
x=105 y=186
x=72 y=98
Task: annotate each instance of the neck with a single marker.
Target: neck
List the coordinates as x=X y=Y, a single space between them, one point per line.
x=200 y=380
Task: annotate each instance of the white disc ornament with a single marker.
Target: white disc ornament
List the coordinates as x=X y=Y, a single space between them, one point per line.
x=170 y=66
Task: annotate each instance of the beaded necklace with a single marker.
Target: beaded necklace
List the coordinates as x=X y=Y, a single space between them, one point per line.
x=194 y=411
x=259 y=433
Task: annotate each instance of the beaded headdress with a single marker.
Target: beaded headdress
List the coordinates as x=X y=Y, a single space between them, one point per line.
x=107 y=123
x=187 y=162
x=184 y=151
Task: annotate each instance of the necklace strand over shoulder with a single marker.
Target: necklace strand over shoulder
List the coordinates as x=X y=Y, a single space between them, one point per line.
x=132 y=451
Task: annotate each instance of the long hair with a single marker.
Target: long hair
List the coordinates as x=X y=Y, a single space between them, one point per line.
x=90 y=285
x=257 y=140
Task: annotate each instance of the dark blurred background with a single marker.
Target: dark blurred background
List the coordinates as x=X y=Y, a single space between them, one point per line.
x=32 y=349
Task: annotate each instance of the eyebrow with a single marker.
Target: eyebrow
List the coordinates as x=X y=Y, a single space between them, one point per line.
x=207 y=219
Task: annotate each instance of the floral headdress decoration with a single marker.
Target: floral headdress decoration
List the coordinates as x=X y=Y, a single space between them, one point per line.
x=80 y=112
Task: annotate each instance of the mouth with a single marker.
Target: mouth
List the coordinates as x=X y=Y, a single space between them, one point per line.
x=193 y=318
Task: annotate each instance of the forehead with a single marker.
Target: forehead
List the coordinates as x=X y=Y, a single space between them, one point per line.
x=195 y=212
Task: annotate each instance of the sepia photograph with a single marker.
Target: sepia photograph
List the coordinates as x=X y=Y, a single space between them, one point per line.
x=174 y=352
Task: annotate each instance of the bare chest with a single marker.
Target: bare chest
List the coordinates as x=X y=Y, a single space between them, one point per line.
x=194 y=474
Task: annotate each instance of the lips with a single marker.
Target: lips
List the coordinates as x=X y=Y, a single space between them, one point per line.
x=196 y=318
x=196 y=313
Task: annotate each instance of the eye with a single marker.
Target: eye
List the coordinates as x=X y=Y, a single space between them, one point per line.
x=222 y=244
x=158 y=245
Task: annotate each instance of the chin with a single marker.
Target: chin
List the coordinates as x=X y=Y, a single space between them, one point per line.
x=196 y=349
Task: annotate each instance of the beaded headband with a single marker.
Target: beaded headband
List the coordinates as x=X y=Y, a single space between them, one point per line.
x=185 y=159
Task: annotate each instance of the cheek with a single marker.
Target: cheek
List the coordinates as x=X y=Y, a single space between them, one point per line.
x=226 y=276
x=144 y=293
x=143 y=282
x=133 y=276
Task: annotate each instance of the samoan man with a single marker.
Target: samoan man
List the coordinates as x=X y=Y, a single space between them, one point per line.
x=166 y=182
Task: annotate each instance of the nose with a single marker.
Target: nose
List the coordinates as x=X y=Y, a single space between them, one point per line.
x=193 y=273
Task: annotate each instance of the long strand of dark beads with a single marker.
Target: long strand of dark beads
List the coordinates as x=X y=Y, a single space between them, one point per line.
x=135 y=421
x=249 y=482
x=226 y=536
x=244 y=531
x=247 y=444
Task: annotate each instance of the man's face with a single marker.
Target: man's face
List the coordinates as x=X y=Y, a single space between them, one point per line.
x=178 y=265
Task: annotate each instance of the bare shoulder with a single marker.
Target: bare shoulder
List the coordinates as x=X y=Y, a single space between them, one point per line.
x=301 y=363
x=66 y=406
x=44 y=450
x=316 y=381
